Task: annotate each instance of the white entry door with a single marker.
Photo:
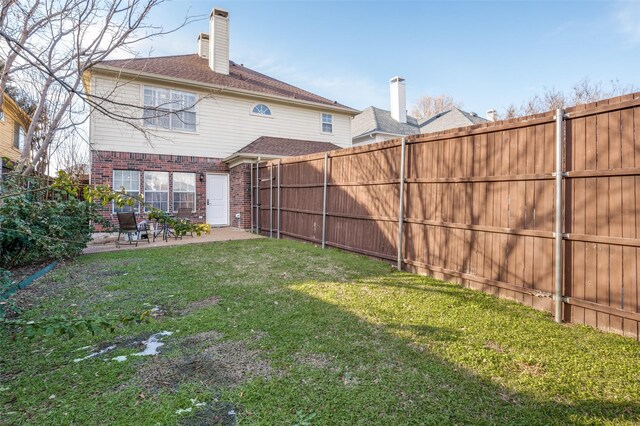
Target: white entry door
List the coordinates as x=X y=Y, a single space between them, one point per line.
x=218 y=200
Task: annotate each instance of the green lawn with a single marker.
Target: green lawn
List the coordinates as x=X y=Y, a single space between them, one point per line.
x=279 y=332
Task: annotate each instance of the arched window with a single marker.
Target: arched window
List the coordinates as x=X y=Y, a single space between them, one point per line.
x=261 y=109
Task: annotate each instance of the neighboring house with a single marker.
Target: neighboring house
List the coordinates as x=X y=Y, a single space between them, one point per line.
x=13 y=125
x=221 y=116
x=377 y=125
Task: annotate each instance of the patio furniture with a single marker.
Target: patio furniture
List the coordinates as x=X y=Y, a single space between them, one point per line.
x=129 y=225
x=162 y=227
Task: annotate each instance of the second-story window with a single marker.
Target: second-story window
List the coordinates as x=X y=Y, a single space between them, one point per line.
x=327 y=123
x=261 y=109
x=18 y=136
x=169 y=109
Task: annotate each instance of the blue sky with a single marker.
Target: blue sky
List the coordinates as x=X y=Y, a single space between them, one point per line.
x=486 y=54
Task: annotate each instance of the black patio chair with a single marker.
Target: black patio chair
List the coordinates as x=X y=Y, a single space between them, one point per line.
x=129 y=225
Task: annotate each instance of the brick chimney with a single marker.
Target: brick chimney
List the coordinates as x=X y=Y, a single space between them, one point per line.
x=219 y=41
x=398 y=99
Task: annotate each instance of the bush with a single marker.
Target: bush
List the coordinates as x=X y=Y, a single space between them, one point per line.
x=43 y=219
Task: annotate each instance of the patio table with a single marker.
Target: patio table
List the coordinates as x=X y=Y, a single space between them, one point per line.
x=161 y=227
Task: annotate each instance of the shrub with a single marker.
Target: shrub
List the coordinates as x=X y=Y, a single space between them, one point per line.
x=44 y=218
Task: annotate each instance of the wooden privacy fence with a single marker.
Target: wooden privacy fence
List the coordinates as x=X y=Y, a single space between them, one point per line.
x=478 y=206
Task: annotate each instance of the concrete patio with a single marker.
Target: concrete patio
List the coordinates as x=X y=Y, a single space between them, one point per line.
x=103 y=242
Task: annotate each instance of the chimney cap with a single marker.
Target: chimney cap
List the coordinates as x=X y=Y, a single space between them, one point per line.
x=203 y=36
x=396 y=79
x=219 y=12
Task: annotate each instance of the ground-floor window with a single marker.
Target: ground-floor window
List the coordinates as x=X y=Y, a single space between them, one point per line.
x=129 y=181
x=184 y=191
x=156 y=191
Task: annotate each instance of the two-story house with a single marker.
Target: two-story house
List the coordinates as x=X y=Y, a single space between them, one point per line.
x=204 y=119
x=13 y=124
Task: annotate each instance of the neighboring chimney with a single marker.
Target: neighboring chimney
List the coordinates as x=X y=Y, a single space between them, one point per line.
x=492 y=115
x=398 y=99
x=203 y=45
x=219 y=41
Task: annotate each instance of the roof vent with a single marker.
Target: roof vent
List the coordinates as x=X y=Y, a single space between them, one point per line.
x=473 y=114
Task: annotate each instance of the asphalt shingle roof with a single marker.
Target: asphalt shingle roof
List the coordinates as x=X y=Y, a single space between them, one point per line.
x=450 y=119
x=376 y=120
x=268 y=145
x=194 y=68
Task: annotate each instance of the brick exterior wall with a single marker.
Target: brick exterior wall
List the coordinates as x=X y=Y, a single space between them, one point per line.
x=240 y=195
x=103 y=163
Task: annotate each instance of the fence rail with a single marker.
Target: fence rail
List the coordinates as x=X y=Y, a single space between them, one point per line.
x=478 y=206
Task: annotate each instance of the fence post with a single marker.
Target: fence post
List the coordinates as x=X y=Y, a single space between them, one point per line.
x=401 y=204
x=271 y=200
x=324 y=200
x=558 y=217
x=251 y=195
x=279 y=163
x=258 y=196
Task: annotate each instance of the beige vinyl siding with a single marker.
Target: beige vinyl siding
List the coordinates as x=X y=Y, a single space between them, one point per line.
x=6 y=137
x=225 y=124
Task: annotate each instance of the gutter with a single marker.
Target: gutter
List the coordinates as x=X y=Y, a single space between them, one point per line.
x=252 y=156
x=373 y=132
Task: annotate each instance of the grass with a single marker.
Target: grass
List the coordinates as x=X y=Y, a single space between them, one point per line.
x=278 y=332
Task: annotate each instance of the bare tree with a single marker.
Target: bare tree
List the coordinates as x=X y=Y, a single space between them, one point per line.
x=72 y=155
x=48 y=46
x=428 y=106
x=584 y=91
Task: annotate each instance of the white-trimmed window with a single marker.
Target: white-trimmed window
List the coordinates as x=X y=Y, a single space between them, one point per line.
x=169 y=109
x=184 y=191
x=156 y=191
x=261 y=109
x=327 y=123
x=129 y=180
x=18 y=136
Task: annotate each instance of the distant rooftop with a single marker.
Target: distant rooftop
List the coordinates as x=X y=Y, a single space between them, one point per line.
x=376 y=120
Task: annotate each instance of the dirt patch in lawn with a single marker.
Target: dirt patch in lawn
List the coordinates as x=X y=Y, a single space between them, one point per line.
x=318 y=361
x=91 y=279
x=199 y=304
x=203 y=358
